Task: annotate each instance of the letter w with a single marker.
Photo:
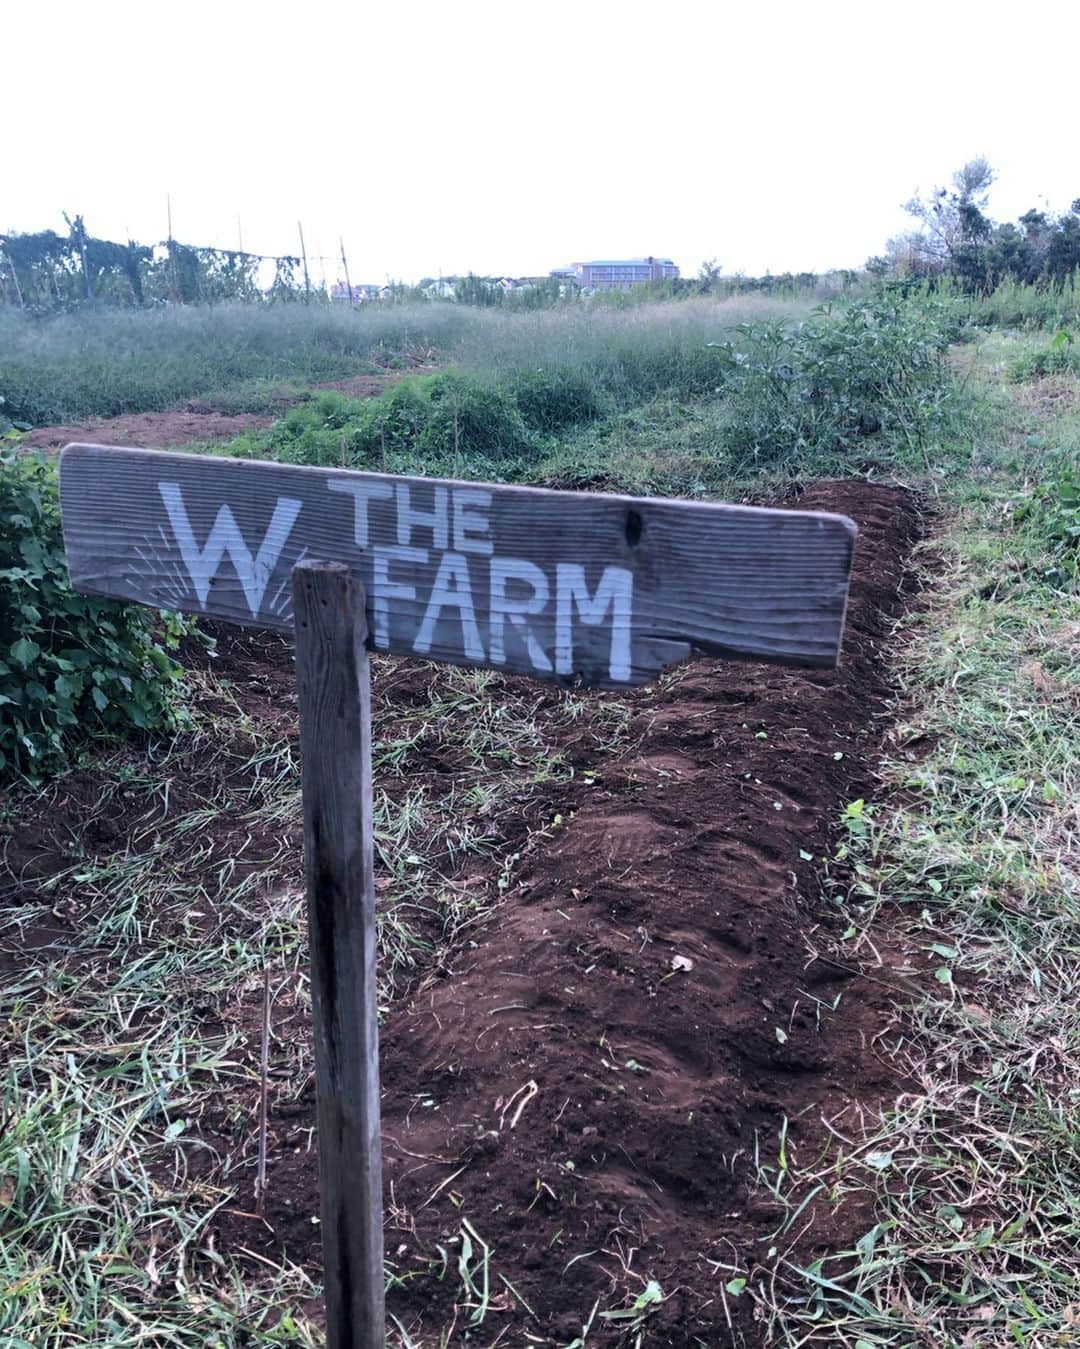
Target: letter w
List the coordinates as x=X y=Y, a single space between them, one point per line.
x=204 y=563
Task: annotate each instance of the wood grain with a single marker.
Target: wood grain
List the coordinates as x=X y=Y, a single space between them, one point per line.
x=587 y=588
x=335 y=747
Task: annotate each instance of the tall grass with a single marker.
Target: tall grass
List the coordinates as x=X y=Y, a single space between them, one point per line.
x=968 y=866
x=630 y=353
x=105 y=362
x=844 y=381
x=1012 y=304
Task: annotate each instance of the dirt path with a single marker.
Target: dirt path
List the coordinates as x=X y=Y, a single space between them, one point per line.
x=196 y=421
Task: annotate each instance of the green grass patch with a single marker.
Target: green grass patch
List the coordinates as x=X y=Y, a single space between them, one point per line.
x=1060 y=357
x=857 y=381
x=101 y=363
x=969 y=859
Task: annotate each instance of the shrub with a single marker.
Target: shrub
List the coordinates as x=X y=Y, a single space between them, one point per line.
x=551 y=400
x=68 y=663
x=442 y=418
x=469 y=417
x=1061 y=357
x=867 y=368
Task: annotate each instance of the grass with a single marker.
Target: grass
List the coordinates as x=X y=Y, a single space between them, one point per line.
x=238 y=357
x=126 y=1031
x=247 y=358
x=1015 y=305
x=971 y=862
x=862 y=382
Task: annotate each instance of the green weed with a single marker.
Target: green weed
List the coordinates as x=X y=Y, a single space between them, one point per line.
x=69 y=664
x=1061 y=357
x=968 y=861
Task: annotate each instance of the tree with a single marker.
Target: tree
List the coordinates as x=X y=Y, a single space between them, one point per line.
x=953 y=220
x=708 y=275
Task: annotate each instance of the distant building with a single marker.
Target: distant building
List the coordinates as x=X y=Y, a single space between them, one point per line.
x=443 y=289
x=617 y=273
x=340 y=291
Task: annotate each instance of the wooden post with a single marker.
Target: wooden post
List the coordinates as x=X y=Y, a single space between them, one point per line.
x=345 y=264
x=174 y=282
x=15 y=278
x=303 y=254
x=335 y=746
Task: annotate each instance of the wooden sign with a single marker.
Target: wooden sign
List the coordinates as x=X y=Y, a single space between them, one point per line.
x=580 y=587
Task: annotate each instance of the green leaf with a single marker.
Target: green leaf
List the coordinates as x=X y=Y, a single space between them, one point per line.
x=24 y=652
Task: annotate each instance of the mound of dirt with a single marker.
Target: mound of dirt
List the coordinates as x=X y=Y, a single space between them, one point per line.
x=587 y=1078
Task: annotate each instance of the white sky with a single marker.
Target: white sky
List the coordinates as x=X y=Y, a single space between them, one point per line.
x=509 y=139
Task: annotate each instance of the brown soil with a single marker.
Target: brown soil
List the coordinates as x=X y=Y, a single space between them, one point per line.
x=195 y=421
x=586 y=1077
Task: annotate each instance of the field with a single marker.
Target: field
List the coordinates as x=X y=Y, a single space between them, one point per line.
x=739 y=1009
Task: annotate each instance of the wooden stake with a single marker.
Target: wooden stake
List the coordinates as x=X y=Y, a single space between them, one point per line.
x=174 y=284
x=18 y=288
x=303 y=254
x=345 y=264
x=335 y=746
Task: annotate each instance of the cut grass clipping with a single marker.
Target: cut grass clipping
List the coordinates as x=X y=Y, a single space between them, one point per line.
x=131 y=1088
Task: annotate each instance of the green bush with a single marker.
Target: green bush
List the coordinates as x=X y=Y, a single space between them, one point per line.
x=439 y=420
x=551 y=400
x=876 y=367
x=69 y=663
x=1061 y=357
x=469 y=417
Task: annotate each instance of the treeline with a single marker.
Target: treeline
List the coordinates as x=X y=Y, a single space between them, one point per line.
x=958 y=239
x=490 y=292
x=49 y=271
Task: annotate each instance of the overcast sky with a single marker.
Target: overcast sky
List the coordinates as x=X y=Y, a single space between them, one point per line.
x=509 y=138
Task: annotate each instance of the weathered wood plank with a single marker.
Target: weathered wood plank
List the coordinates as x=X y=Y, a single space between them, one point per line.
x=335 y=748
x=599 y=589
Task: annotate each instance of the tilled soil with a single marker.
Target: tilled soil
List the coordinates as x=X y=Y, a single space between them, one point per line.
x=588 y=1076
x=194 y=421
x=587 y=1079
